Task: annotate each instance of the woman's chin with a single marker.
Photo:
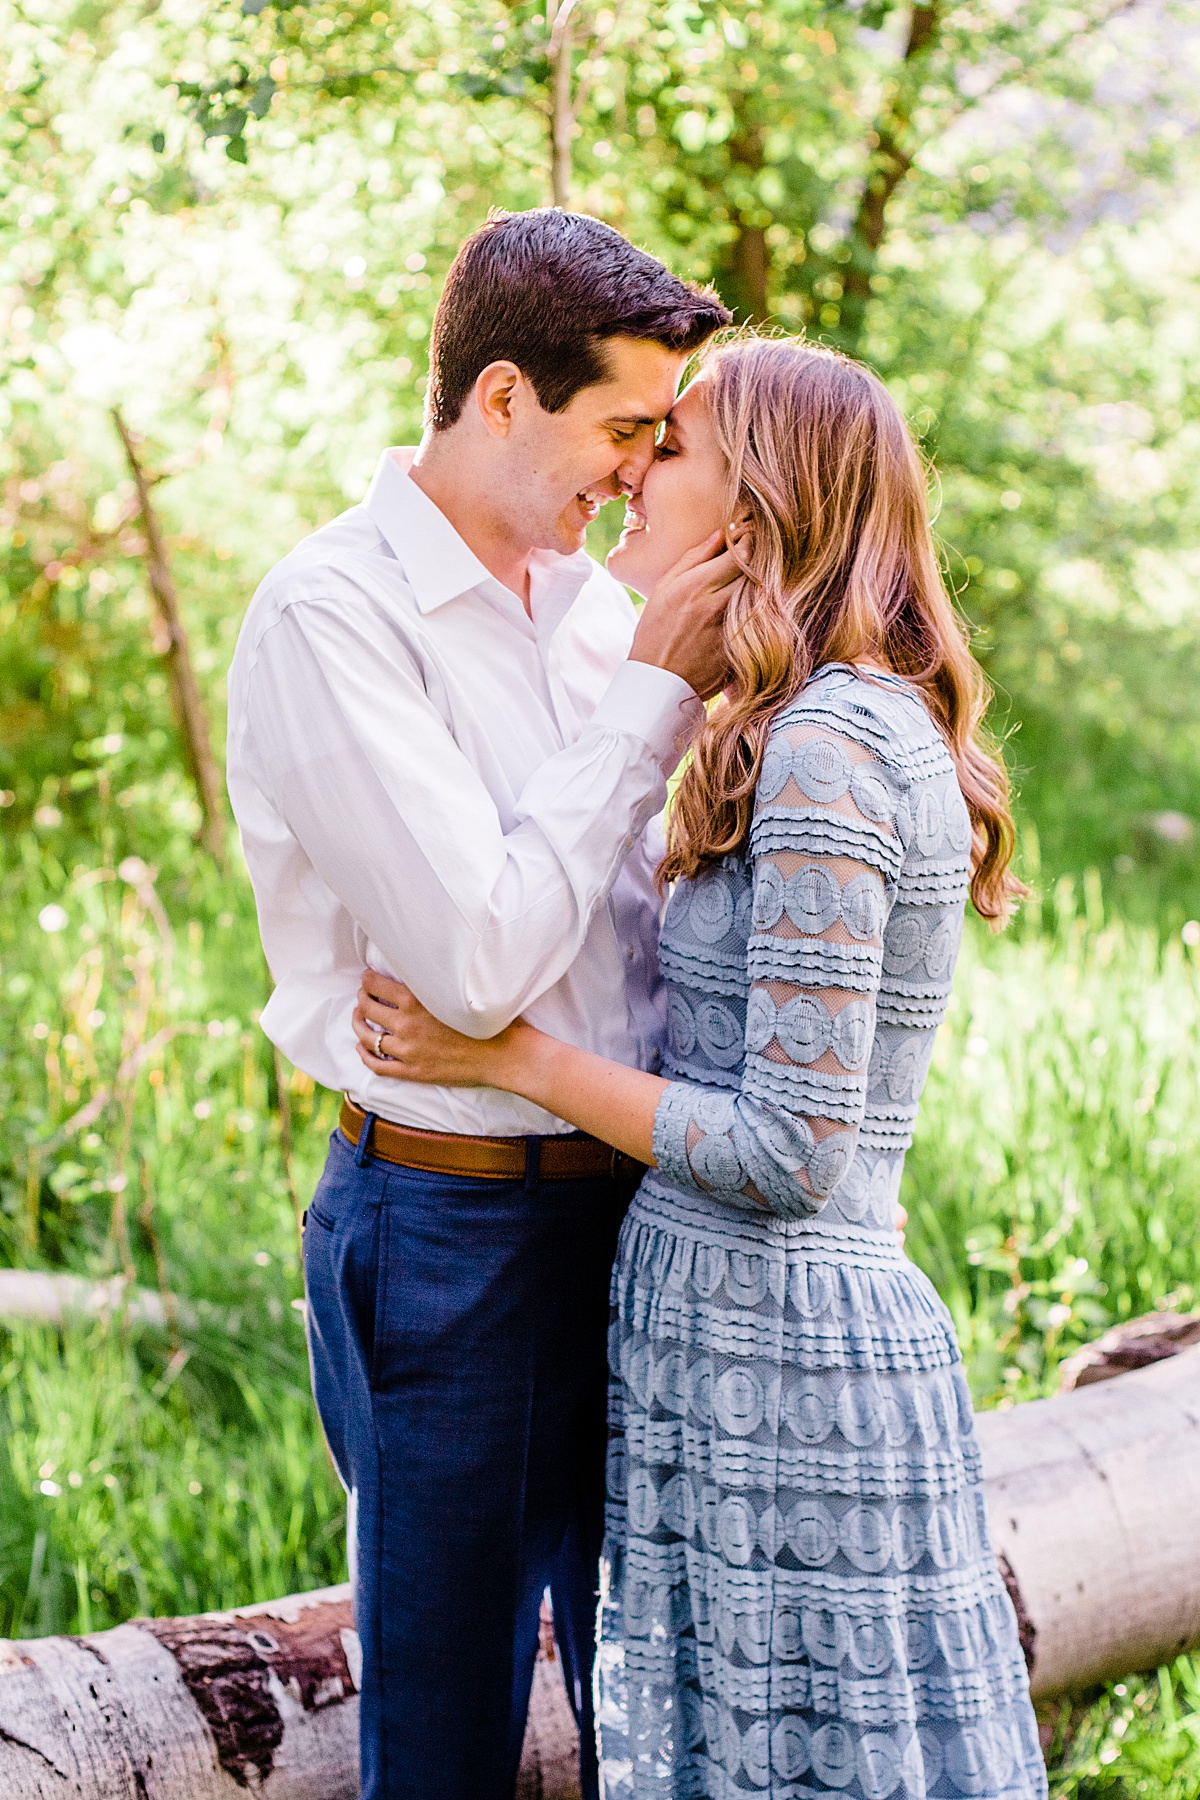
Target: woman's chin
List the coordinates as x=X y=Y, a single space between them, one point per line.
x=627 y=562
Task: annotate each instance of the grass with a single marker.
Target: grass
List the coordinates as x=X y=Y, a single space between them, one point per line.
x=143 y=1471
x=1054 y=1186
x=1053 y=1189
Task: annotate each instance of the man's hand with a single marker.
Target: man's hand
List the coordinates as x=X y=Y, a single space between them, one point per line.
x=681 y=627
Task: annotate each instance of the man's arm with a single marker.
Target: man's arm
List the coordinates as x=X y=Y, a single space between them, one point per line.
x=477 y=921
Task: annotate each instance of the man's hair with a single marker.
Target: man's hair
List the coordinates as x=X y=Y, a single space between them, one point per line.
x=544 y=290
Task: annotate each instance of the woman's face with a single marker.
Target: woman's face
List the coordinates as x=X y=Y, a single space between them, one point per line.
x=682 y=499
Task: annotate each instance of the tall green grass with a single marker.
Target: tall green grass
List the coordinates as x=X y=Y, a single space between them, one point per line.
x=149 y=1133
x=1053 y=1188
x=1054 y=1185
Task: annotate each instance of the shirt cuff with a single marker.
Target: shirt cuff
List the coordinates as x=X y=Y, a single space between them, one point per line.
x=655 y=705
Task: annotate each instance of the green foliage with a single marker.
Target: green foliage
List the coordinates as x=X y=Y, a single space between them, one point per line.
x=1001 y=221
x=137 y=1483
x=1052 y=1189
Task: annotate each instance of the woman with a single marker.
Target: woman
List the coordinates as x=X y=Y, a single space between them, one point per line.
x=799 y=1594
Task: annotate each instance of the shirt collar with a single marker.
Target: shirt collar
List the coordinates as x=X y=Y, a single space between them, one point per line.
x=438 y=565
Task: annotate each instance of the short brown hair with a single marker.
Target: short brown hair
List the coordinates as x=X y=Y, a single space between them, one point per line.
x=543 y=290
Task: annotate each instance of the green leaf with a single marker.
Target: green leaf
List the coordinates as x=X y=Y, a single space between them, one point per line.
x=260 y=101
x=229 y=125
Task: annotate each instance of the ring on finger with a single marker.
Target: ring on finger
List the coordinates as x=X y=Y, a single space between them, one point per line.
x=379 y=1037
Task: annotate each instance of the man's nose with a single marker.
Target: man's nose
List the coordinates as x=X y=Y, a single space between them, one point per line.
x=631 y=471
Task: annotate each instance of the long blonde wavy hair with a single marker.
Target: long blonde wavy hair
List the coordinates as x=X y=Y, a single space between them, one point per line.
x=838 y=565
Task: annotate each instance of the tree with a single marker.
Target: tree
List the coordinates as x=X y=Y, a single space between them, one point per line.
x=919 y=184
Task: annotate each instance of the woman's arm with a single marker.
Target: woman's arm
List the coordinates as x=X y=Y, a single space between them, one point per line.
x=604 y=1098
x=822 y=845
x=613 y=1103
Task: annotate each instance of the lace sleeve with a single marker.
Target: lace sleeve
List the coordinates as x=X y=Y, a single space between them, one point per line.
x=825 y=855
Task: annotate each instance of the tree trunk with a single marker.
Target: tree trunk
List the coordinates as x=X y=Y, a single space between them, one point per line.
x=1091 y=1498
x=745 y=278
x=750 y=266
x=888 y=165
x=190 y=711
x=562 y=108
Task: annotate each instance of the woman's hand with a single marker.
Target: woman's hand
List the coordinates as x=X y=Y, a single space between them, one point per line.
x=683 y=621
x=398 y=1038
x=612 y=1102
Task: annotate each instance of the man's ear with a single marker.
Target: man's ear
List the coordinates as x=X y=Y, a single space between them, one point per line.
x=495 y=389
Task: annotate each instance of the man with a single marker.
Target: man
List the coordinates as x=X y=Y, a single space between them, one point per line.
x=447 y=741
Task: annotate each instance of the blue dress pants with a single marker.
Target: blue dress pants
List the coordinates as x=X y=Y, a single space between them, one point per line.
x=457 y=1333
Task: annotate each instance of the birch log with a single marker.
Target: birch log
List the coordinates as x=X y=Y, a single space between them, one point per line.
x=39 y=1297
x=1092 y=1501
x=262 y=1700
x=1091 y=1497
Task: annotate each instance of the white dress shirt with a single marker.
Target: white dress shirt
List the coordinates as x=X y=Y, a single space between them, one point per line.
x=431 y=781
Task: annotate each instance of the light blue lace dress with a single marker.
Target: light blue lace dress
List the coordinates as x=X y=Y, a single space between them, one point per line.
x=799 y=1597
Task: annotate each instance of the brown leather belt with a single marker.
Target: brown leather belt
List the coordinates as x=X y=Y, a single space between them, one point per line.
x=573 y=1158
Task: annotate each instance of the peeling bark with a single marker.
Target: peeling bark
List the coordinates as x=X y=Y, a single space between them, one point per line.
x=234 y=1668
x=1026 y=1629
x=262 y=1700
x=1134 y=1345
x=187 y=1709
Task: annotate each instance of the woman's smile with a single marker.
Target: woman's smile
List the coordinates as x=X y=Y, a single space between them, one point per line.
x=635 y=518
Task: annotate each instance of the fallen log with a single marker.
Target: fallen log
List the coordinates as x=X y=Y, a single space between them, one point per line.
x=261 y=1700
x=40 y=1297
x=186 y=1709
x=37 y=1297
x=1135 y=1344
x=1091 y=1497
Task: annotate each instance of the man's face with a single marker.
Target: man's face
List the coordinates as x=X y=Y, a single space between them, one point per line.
x=562 y=466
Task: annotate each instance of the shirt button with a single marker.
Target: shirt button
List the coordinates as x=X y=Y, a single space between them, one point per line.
x=630 y=953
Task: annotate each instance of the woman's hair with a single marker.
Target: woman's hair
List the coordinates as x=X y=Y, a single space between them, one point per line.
x=838 y=565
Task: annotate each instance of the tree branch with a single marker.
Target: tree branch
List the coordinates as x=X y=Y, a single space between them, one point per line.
x=185 y=690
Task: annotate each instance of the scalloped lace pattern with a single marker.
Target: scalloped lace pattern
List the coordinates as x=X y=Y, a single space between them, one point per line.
x=799 y=1598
